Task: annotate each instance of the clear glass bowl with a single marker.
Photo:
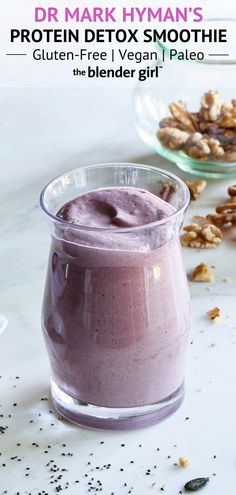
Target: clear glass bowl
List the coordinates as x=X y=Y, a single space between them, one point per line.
x=186 y=81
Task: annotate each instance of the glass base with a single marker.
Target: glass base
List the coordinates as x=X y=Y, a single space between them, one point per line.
x=107 y=418
x=209 y=171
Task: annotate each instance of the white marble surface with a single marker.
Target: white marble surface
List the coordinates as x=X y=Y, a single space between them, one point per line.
x=43 y=133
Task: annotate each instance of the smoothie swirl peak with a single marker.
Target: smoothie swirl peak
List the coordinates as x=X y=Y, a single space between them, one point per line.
x=114 y=208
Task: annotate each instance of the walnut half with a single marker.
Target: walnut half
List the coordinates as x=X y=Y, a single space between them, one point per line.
x=172 y=137
x=214 y=314
x=195 y=188
x=232 y=191
x=181 y=115
x=201 y=237
x=225 y=214
x=202 y=273
x=197 y=146
x=211 y=106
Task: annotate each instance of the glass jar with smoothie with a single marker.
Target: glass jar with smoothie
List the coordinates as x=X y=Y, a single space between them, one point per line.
x=116 y=313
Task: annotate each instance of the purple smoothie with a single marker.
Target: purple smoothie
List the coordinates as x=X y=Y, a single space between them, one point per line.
x=116 y=312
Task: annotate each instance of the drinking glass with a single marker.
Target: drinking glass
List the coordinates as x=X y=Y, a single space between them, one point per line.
x=116 y=312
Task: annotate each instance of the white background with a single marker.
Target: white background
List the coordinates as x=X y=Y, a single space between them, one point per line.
x=44 y=132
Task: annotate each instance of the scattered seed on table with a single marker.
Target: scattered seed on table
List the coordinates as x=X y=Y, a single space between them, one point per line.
x=196 y=484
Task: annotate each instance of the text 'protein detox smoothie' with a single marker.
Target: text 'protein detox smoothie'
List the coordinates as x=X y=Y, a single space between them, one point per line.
x=116 y=313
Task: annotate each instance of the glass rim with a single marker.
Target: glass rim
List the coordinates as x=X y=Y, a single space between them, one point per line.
x=162 y=221
x=216 y=61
